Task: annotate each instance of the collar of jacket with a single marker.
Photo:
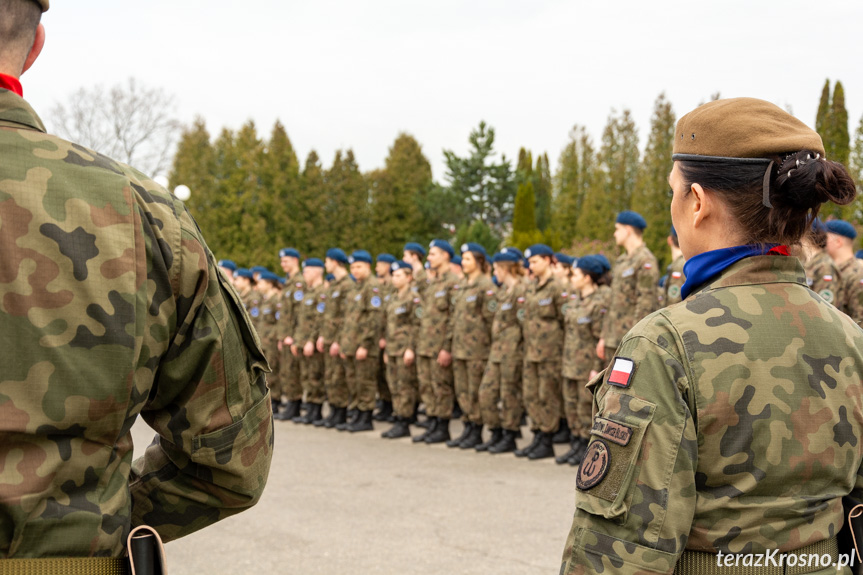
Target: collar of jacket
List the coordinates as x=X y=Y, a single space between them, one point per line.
x=759 y=270
x=14 y=109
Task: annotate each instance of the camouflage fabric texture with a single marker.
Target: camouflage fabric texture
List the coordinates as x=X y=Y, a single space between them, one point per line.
x=583 y=319
x=633 y=294
x=507 y=343
x=269 y=334
x=542 y=320
x=738 y=427
x=474 y=307
x=112 y=307
x=363 y=318
x=851 y=276
x=434 y=312
x=402 y=323
x=822 y=277
x=675 y=281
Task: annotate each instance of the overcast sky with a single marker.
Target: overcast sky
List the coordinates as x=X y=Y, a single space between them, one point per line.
x=353 y=74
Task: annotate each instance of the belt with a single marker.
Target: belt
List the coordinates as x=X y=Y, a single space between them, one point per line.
x=703 y=563
x=65 y=566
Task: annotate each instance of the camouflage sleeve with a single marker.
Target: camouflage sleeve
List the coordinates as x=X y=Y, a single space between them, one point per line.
x=636 y=487
x=370 y=321
x=209 y=405
x=648 y=278
x=854 y=299
x=415 y=321
x=447 y=342
x=561 y=297
x=598 y=314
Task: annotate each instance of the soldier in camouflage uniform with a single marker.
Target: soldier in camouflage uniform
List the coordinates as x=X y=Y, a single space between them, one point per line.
x=471 y=339
x=542 y=329
x=292 y=387
x=402 y=325
x=633 y=287
x=501 y=381
x=309 y=314
x=245 y=286
x=822 y=275
x=732 y=422
x=415 y=254
x=111 y=307
x=434 y=361
x=385 y=397
x=269 y=290
x=228 y=268
x=584 y=314
x=359 y=340
x=676 y=277
x=840 y=246
x=335 y=297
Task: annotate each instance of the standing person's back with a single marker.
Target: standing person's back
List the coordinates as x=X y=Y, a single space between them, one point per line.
x=111 y=306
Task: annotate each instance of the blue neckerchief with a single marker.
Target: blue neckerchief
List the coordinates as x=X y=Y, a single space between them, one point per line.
x=701 y=268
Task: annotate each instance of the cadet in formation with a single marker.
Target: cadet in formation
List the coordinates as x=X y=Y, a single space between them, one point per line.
x=676 y=278
x=732 y=422
x=334 y=299
x=822 y=275
x=385 y=399
x=291 y=384
x=309 y=320
x=840 y=246
x=269 y=290
x=142 y=322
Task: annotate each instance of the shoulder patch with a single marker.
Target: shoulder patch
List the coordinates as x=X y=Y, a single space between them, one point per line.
x=594 y=466
x=418 y=311
x=376 y=301
x=520 y=314
x=827 y=295
x=612 y=430
x=828 y=278
x=621 y=371
x=492 y=305
x=627 y=273
x=416 y=300
x=321 y=307
x=298 y=295
x=676 y=275
x=648 y=265
x=489 y=292
x=336 y=293
x=673 y=291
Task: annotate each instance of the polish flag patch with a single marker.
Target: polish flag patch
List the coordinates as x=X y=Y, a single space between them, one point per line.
x=621 y=372
x=648 y=265
x=828 y=278
x=676 y=275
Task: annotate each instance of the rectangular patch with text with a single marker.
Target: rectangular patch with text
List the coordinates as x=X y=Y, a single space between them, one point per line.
x=611 y=430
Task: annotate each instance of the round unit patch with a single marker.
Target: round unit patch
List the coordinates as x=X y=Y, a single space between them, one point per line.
x=418 y=311
x=321 y=307
x=376 y=301
x=492 y=305
x=827 y=295
x=594 y=466
x=298 y=295
x=673 y=291
x=520 y=315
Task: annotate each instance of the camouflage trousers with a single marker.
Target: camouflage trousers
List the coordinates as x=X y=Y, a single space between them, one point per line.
x=501 y=382
x=403 y=381
x=542 y=394
x=270 y=347
x=290 y=375
x=312 y=376
x=334 y=379
x=467 y=376
x=436 y=387
x=361 y=376
x=384 y=383
x=578 y=405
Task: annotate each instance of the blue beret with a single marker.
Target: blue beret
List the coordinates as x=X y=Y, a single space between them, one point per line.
x=508 y=255
x=401 y=265
x=673 y=232
x=591 y=264
x=475 y=248
x=330 y=277
x=605 y=263
x=415 y=247
x=244 y=273
x=538 y=250
x=258 y=269
x=630 y=218
x=859 y=255
x=228 y=264
x=841 y=228
x=313 y=263
x=564 y=259
x=386 y=258
x=289 y=253
x=361 y=256
x=337 y=254
x=443 y=245
x=818 y=225
x=456 y=260
x=269 y=276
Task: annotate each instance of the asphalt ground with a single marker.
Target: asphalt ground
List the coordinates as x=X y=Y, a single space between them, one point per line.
x=338 y=502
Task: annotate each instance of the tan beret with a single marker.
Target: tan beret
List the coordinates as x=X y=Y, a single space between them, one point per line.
x=43 y=4
x=742 y=128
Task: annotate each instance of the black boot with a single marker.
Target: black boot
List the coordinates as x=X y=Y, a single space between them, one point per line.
x=312 y=415
x=468 y=427
x=340 y=415
x=456 y=411
x=562 y=434
x=363 y=422
x=352 y=416
x=386 y=411
x=576 y=457
x=292 y=409
x=524 y=451
x=440 y=433
x=573 y=447
x=506 y=443
x=496 y=435
x=425 y=423
x=400 y=429
x=543 y=449
x=473 y=439
x=421 y=438
x=277 y=403
x=324 y=420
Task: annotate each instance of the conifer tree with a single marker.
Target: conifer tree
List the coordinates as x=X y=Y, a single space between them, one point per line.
x=838 y=133
x=315 y=235
x=573 y=179
x=280 y=184
x=194 y=165
x=524 y=230
x=542 y=189
x=822 y=118
x=347 y=208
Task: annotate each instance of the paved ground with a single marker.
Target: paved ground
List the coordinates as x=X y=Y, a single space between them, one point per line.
x=356 y=503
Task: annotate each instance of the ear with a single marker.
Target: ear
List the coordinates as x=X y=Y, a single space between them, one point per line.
x=701 y=205
x=36 y=49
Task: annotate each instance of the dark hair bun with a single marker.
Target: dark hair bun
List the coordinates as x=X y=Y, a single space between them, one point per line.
x=805 y=179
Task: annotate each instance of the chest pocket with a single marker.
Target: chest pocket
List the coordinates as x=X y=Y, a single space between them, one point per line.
x=546 y=308
x=605 y=479
x=441 y=301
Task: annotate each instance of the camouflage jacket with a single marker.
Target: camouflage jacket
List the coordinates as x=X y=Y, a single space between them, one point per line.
x=292 y=295
x=472 y=318
x=112 y=306
x=402 y=322
x=436 y=310
x=542 y=320
x=823 y=278
x=252 y=302
x=851 y=276
x=674 y=282
x=364 y=318
x=731 y=422
x=270 y=313
x=335 y=299
x=420 y=283
x=633 y=294
x=506 y=341
x=310 y=314
x=583 y=318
